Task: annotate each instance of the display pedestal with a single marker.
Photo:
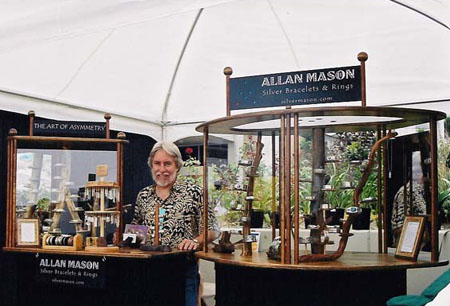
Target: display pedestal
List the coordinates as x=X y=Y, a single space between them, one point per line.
x=354 y=279
x=258 y=286
x=135 y=278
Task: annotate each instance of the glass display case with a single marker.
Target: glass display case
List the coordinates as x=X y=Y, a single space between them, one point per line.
x=71 y=186
x=288 y=126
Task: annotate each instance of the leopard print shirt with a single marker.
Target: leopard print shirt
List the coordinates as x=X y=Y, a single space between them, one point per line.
x=183 y=217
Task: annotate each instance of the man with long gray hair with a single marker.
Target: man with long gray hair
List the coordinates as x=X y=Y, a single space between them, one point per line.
x=181 y=207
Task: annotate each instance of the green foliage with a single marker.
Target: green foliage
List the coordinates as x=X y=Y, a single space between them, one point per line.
x=193 y=172
x=444 y=201
x=43 y=204
x=356 y=152
x=339 y=173
x=447 y=126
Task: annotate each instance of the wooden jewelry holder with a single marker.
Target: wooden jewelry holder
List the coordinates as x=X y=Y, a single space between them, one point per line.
x=100 y=215
x=76 y=246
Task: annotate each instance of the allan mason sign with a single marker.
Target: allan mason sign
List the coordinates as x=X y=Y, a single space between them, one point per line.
x=330 y=85
x=73 y=271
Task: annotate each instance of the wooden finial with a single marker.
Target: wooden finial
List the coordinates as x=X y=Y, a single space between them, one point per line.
x=31 y=115
x=107 y=117
x=12 y=132
x=227 y=71
x=362 y=56
x=121 y=135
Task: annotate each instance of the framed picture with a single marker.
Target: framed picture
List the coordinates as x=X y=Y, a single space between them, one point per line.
x=410 y=238
x=27 y=233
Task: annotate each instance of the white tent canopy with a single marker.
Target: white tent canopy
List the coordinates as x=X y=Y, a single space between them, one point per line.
x=157 y=66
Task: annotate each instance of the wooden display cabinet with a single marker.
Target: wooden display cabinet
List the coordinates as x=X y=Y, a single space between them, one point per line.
x=47 y=181
x=320 y=269
x=289 y=124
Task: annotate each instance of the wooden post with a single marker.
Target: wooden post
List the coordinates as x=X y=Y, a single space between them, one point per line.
x=362 y=57
x=282 y=190
x=287 y=186
x=120 y=135
x=385 y=177
x=274 y=195
x=8 y=194
x=228 y=71
x=379 y=195
x=102 y=208
x=318 y=162
x=434 y=192
x=31 y=115
x=10 y=205
x=205 y=189
x=156 y=240
x=296 y=190
x=13 y=189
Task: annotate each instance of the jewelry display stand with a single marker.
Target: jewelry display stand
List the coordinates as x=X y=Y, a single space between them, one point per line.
x=62 y=242
x=100 y=191
x=251 y=173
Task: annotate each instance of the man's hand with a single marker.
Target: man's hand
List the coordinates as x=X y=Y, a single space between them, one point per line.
x=188 y=244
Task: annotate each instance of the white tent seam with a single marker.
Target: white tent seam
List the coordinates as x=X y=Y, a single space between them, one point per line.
x=80 y=67
x=421 y=13
x=291 y=47
x=174 y=75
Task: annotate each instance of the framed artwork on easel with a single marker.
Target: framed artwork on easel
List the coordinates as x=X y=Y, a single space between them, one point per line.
x=411 y=238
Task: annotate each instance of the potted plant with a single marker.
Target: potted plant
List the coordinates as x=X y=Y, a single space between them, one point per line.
x=444 y=207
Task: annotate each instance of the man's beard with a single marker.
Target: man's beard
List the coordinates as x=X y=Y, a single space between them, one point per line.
x=164 y=182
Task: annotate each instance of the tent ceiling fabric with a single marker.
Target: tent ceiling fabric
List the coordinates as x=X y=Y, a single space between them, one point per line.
x=122 y=56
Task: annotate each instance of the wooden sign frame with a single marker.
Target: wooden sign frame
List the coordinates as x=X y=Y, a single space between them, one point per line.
x=411 y=238
x=28 y=233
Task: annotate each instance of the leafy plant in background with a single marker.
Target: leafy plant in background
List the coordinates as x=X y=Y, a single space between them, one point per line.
x=339 y=173
x=305 y=169
x=43 y=204
x=230 y=181
x=225 y=195
x=444 y=203
x=263 y=196
x=346 y=148
x=356 y=152
x=193 y=174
